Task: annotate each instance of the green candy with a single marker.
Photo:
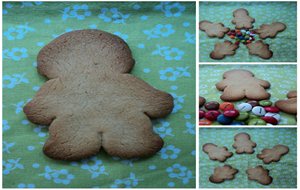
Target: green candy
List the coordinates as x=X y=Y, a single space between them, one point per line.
x=253 y=116
x=265 y=103
x=256 y=122
x=243 y=116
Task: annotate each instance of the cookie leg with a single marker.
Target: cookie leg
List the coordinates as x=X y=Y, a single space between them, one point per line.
x=257 y=93
x=233 y=93
x=71 y=140
x=134 y=138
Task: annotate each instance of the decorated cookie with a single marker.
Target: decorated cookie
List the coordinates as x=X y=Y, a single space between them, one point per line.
x=242 y=20
x=238 y=84
x=270 y=30
x=259 y=174
x=243 y=143
x=223 y=173
x=260 y=49
x=274 y=154
x=289 y=105
x=213 y=29
x=216 y=153
x=91 y=102
x=223 y=49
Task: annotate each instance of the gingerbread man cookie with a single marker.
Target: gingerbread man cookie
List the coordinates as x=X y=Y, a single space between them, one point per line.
x=259 y=174
x=213 y=29
x=243 y=143
x=91 y=102
x=239 y=83
x=289 y=105
x=260 y=49
x=223 y=173
x=216 y=153
x=274 y=154
x=270 y=30
x=242 y=20
x=223 y=49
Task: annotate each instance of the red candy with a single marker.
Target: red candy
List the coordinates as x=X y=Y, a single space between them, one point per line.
x=233 y=113
x=212 y=115
x=272 y=109
x=226 y=106
x=271 y=120
x=205 y=122
x=201 y=114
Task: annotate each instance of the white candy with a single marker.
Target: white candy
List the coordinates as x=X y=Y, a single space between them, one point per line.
x=244 y=107
x=248 y=32
x=258 y=110
x=243 y=31
x=275 y=115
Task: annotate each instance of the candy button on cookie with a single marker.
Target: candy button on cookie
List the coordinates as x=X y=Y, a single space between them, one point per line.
x=265 y=103
x=257 y=122
x=275 y=115
x=201 y=114
x=242 y=116
x=222 y=119
x=272 y=109
x=212 y=115
x=226 y=106
x=244 y=107
x=258 y=110
x=270 y=120
x=213 y=105
x=231 y=113
x=205 y=122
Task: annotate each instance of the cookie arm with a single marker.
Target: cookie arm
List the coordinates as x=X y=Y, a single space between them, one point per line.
x=40 y=109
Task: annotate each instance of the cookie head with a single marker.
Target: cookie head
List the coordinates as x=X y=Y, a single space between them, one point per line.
x=84 y=51
x=237 y=73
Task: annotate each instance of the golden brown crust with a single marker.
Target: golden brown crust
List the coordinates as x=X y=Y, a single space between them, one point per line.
x=270 y=30
x=242 y=20
x=91 y=102
x=223 y=49
x=274 y=154
x=223 y=173
x=213 y=29
x=260 y=49
x=259 y=174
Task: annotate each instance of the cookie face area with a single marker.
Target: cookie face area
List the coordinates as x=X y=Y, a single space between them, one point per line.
x=274 y=154
x=92 y=107
x=223 y=173
x=243 y=143
x=238 y=84
x=259 y=174
x=216 y=153
x=213 y=29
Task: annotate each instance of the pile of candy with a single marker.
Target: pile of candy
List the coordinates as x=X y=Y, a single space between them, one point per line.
x=251 y=112
x=242 y=36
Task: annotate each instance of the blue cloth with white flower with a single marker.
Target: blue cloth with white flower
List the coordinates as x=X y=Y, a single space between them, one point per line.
x=161 y=36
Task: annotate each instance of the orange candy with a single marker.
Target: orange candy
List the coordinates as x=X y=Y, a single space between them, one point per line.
x=226 y=106
x=205 y=122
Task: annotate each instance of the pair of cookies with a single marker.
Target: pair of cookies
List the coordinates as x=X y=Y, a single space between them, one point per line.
x=243 y=144
x=242 y=21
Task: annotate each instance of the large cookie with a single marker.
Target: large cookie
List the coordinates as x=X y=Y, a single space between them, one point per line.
x=289 y=105
x=259 y=174
x=223 y=173
x=91 y=101
x=239 y=83
x=242 y=20
x=260 y=49
x=243 y=143
x=270 y=30
x=274 y=154
x=223 y=49
x=216 y=153
x=213 y=29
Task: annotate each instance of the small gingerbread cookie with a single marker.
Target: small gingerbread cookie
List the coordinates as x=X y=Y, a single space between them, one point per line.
x=260 y=49
x=259 y=174
x=216 y=153
x=223 y=49
x=223 y=173
x=270 y=30
x=213 y=29
x=274 y=154
x=243 y=143
x=202 y=101
x=239 y=83
x=242 y=20
x=289 y=105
